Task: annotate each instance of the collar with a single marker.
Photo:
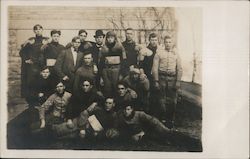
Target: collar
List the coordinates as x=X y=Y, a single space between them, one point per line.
x=130 y=42
x=98 y=46
x=73 y=49
x=60 y=95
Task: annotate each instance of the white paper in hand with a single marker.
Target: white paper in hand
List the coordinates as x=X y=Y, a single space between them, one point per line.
x=95 y=124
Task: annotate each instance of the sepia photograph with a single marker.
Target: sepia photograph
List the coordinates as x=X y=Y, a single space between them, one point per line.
x=120 y=78
x=105 y=78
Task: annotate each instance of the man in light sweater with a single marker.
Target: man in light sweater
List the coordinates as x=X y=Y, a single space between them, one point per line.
x=167 y=72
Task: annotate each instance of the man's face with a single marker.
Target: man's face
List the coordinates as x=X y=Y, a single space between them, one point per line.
x=128 y=111
x=45 y=73
x=60 y=88
x=168 y=44
x=99 y=40
x=86 y=86
x=111 y=39
x=83 y=36
x=76 y=43
x=109 y=104
x=121 y=90
x=153 y=41
x=87 y=59
x=38 y=31
x=129 y=35
x=55 y=37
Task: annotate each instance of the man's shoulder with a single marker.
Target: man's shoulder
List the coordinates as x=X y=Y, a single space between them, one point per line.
x=67 y=94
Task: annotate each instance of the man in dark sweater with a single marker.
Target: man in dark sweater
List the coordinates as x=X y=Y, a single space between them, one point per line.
x=87 y=70
x=147 y=63
x=43 y=87
x=131 y=48
x=51 y=51
x=83 y=99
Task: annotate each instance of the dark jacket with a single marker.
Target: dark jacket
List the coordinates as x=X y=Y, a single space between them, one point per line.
x=96 y=54
x=65 y=66
x=131 y=52
x=29 y=72
x=147 y=63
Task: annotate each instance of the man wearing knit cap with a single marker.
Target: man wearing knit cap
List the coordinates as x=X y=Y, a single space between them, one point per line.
x=112 y=62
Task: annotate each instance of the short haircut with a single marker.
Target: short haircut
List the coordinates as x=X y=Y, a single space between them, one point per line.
x=37 y=26
x=60 y=81
x=45 y=38
x=75 y=38
x=54 y=31
x=152 y=35
x=82 y=31
x=110 y=97
x=122 y=83
x=132 y=104
x=88 y=52
x=129 y=29
x=44 y=68
x=167 y=37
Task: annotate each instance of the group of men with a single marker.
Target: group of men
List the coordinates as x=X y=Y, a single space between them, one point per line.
x=102 y=88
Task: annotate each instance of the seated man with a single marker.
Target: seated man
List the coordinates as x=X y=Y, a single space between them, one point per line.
x=124 y=95
x=83 y=99
x=98 y=120
x=135 y=124
x=44 y=86
x=57 y=103
x=138 y=81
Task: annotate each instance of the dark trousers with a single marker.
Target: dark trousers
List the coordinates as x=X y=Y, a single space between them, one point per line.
x=167 y=97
